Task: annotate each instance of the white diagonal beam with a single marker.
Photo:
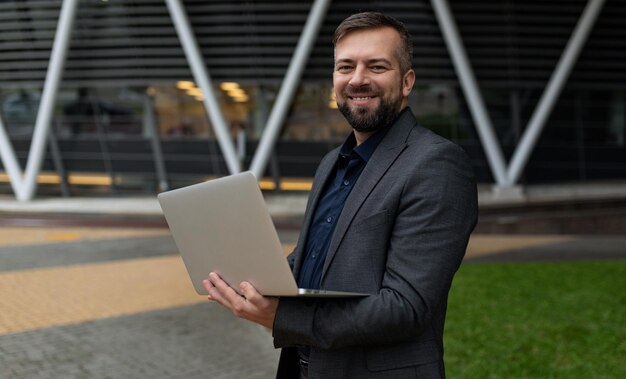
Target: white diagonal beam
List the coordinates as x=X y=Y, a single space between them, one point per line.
x=553 y=90
x=201 y=76
x=288 y=87
x=470 y=88
x=48 y=98
x=9 y=160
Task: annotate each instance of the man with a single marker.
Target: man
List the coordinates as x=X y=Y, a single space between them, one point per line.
x=389 y=214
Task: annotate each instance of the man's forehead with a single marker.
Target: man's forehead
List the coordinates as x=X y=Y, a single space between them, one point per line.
x=370 y=37
x=374 y=43
x=384 y=32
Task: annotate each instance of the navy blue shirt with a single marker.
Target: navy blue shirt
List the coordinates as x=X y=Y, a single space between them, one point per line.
x=350 y=163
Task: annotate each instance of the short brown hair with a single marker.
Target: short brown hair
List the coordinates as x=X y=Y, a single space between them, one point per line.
x=372 y=20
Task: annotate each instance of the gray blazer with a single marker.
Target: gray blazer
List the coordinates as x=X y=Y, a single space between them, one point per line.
x=401 y=237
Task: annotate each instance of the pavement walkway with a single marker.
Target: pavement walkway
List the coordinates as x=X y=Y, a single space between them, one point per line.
x=116 y=302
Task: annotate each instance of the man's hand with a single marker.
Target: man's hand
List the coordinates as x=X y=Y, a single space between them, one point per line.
x=251 y=306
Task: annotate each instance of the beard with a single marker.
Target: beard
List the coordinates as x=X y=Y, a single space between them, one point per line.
x=366 y=120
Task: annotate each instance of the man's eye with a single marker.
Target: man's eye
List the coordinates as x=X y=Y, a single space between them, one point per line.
x=344 y=68
x=378 y=68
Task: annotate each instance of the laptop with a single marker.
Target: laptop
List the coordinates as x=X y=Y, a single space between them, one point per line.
x=223 y=225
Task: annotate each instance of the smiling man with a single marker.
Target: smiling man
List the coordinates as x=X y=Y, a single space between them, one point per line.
x=372 y=78
x=389 y=214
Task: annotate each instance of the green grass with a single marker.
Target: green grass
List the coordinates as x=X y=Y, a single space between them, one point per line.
x=537 y=320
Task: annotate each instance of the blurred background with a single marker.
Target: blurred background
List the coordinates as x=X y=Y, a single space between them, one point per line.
x=91 y=282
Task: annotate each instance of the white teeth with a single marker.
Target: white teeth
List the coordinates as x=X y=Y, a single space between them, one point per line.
x=361 y=98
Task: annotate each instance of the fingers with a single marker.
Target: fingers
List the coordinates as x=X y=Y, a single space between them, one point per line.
x=207 y=286
x=248 y=291
x=213 y=293
x=254 y=297
x=224 y=289
x=260 y=309
x=223 y=294
x=252 y=305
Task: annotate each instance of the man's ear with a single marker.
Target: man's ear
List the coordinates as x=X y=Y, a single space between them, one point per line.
x=407 y=82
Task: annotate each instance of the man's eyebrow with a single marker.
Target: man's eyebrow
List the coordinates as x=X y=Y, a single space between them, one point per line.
x=369 y=61
x=379 y=60
x=344 y=60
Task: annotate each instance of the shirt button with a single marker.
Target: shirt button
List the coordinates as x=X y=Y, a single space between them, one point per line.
x=314 y=256
x=329 y=220
x=346 y=182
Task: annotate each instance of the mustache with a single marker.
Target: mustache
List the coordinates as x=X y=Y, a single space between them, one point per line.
x=355 y=91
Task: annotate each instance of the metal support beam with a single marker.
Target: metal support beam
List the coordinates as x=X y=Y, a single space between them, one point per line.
x=263 y=109
x=48 y=98
x=553 y=90
x=201 y=76
x=288 y=86
x=101 y=133
x=9 y=160
x=150 y=126
x=57 y=160
x=470 y=88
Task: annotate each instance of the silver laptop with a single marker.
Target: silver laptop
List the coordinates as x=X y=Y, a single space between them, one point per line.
x=223 y=225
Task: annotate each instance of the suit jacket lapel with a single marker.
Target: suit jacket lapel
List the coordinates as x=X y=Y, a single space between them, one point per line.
x=387 y=152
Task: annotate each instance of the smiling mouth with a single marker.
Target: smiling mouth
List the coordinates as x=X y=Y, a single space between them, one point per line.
x=361 y=98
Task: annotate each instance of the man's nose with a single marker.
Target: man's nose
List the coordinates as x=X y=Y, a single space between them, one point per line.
x=359 y=77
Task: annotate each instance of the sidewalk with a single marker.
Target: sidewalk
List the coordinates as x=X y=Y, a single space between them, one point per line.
x=280 y=205
x=583 y=208
x=80 y=302
x=293 y=203
x=83 y=301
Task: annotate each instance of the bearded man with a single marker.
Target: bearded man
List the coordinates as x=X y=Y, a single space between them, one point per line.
x=389 y=214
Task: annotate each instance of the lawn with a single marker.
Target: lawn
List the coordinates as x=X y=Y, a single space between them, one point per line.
x=537 y=320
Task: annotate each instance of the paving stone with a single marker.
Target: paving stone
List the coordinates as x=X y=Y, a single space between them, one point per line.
x=77 y=252
x=90 y=251
x=195 y=341
x=200 y=341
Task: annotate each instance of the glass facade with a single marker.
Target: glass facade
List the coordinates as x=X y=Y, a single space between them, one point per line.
x=127 y=101
x=107 y=130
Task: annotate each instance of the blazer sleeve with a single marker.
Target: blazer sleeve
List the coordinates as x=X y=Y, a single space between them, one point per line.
x=435 y=214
